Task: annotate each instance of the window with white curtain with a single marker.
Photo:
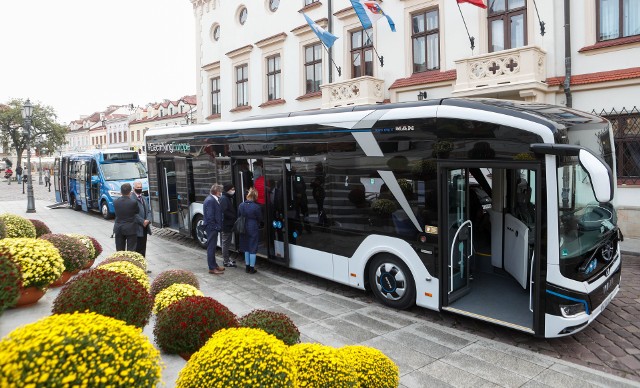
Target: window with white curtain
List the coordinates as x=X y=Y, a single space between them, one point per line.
x=618 y=19
x=425 y=37
x=507 y=24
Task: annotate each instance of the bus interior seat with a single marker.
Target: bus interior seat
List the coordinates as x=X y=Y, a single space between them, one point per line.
x=516 y=249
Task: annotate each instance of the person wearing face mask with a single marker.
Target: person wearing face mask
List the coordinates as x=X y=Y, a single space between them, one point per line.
x=144 y=229
x=229 y=217
x=213 y=225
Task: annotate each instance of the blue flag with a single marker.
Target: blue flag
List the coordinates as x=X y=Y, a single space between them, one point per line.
x=369 y=12
x=325 y=37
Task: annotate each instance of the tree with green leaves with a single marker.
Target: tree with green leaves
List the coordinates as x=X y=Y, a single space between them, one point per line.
x=46 y=134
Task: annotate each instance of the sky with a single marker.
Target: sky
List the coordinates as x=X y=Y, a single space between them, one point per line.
x=80 y=56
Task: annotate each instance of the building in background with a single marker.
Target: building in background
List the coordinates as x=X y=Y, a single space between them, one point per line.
x=261 y=58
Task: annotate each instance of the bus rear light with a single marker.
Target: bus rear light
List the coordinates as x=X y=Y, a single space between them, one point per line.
x=572 y=310
x=353 y=275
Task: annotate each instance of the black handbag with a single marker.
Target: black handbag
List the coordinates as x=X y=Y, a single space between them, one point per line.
x=239 y=225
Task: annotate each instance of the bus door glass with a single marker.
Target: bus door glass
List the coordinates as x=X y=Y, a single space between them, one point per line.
x=183 y=189
x=457 y=233
x=56 y=179
x=93 y=179
x=64 y=179
x=276 y=225
x=83 y=185
x=168 y=193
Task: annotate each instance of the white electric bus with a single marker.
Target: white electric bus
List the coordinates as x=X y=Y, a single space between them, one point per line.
x=493 y=209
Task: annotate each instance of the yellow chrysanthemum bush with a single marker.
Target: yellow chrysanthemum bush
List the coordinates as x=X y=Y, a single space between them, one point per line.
x=128 y=269
x=239 y=357
x=10 y=281
x=108 y=293
x=371 y=366
x=132 y=256
x=78 y=350
x=174 y=293
x=173 y=276
x=39 y=261
x=87 y=243
x=17 y=227
x=318 y=366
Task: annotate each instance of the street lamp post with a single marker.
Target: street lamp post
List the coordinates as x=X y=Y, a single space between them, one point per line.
x=27 y=110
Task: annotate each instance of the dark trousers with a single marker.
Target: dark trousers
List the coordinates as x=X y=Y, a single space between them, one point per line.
x=141 y=244
x=126 y=242
x=212 y=242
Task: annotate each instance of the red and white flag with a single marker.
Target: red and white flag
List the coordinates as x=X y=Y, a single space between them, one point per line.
x=477 y=3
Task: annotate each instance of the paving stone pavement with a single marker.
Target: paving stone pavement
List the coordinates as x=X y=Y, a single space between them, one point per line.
x=431 y=348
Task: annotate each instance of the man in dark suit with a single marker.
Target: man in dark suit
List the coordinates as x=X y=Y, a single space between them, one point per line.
x=213 y=225
x=127 y=220
x=143 y=212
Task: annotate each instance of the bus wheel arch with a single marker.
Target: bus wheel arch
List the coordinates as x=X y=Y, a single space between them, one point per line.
x=391 y=281
x=104 y=209
x=197 y=230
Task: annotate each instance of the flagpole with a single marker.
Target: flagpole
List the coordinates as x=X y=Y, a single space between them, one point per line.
x=338 y=68
x=381 y=59
x=471 y=38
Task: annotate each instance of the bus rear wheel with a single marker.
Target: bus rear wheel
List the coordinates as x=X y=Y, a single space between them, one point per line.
x=198 y=232
x=104 y=209
x=392 y=282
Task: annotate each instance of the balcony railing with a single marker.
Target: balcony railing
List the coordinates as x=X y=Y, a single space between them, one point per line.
x=500 y=70
x=356 y=91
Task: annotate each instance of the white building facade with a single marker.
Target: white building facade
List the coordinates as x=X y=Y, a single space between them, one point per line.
x=260 y=57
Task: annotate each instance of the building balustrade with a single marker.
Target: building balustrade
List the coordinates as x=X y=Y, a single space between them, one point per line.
x=356 y=91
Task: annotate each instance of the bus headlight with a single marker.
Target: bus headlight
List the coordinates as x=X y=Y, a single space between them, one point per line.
x=114 y=194
x=572 y=310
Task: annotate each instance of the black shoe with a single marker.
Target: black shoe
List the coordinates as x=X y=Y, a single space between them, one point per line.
x=252 y=270
x=246 y=269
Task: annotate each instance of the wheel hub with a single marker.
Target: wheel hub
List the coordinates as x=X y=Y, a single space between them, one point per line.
x=391 y=281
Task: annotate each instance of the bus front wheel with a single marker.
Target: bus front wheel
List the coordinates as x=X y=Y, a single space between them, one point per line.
x=198 y=231
x=104 y=209
x=392 y=282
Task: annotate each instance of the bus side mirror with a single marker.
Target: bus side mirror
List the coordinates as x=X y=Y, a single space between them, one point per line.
x=600 y=175
x=95 y=179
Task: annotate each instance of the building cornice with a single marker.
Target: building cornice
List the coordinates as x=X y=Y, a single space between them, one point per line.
x=274 y=39
x=240 y=51
x=211 y=66
x=305 y=29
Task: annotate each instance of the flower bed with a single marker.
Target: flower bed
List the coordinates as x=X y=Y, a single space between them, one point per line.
x=173 y=276
x=10 y=281
x=122 y=260
x=108 y=293
x=128 y=269
x=371 y=367
x=17 y=227
x=130 y=255
x=39 y=261
x=277 y=324
x=321 y=366
x=41 y=228
x=172 y=294
x=87 y=243
x=186 y=325
x=240 y=357
x=82 y=349
x=3 y=229
x=73 y=252
x=96 y=246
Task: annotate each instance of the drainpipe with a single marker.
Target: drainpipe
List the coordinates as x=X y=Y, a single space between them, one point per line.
x=330 y=27
x=567 y=52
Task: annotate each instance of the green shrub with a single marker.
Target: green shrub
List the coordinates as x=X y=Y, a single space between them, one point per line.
x=277 y=324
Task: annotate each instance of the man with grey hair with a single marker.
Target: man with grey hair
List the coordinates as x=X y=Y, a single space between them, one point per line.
x=212 y=226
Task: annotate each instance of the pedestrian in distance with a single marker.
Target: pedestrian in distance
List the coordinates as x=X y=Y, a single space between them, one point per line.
x=250 y=238
x=127 y=220
x=229 y=217
x=213 y=225
x=47 y=179
x=19 y=174
x=143 y=212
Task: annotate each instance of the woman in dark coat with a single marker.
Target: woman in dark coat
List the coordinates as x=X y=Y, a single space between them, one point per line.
x=249 y=239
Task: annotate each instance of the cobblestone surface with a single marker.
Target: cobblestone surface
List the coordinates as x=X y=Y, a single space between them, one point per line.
x=611 y=344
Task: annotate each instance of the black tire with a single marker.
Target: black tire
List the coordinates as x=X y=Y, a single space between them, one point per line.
x=197 y=230
x=104 y=210
x=73 y=203
x=391 y=282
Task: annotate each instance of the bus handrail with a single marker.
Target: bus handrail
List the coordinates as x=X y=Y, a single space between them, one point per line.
x=453 y=243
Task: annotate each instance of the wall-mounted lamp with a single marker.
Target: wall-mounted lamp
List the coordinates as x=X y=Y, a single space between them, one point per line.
x=422 y=96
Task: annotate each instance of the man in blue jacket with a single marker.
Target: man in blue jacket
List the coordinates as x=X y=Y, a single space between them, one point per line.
x=213 y=225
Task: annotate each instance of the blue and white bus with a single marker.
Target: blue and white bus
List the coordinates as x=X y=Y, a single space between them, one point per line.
x=91 y=180
x=496 y=210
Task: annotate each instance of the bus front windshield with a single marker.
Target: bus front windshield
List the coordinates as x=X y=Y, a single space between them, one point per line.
x=123 y=171
x=584 y=222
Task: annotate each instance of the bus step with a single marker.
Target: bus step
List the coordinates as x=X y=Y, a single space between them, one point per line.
x=58 y=205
